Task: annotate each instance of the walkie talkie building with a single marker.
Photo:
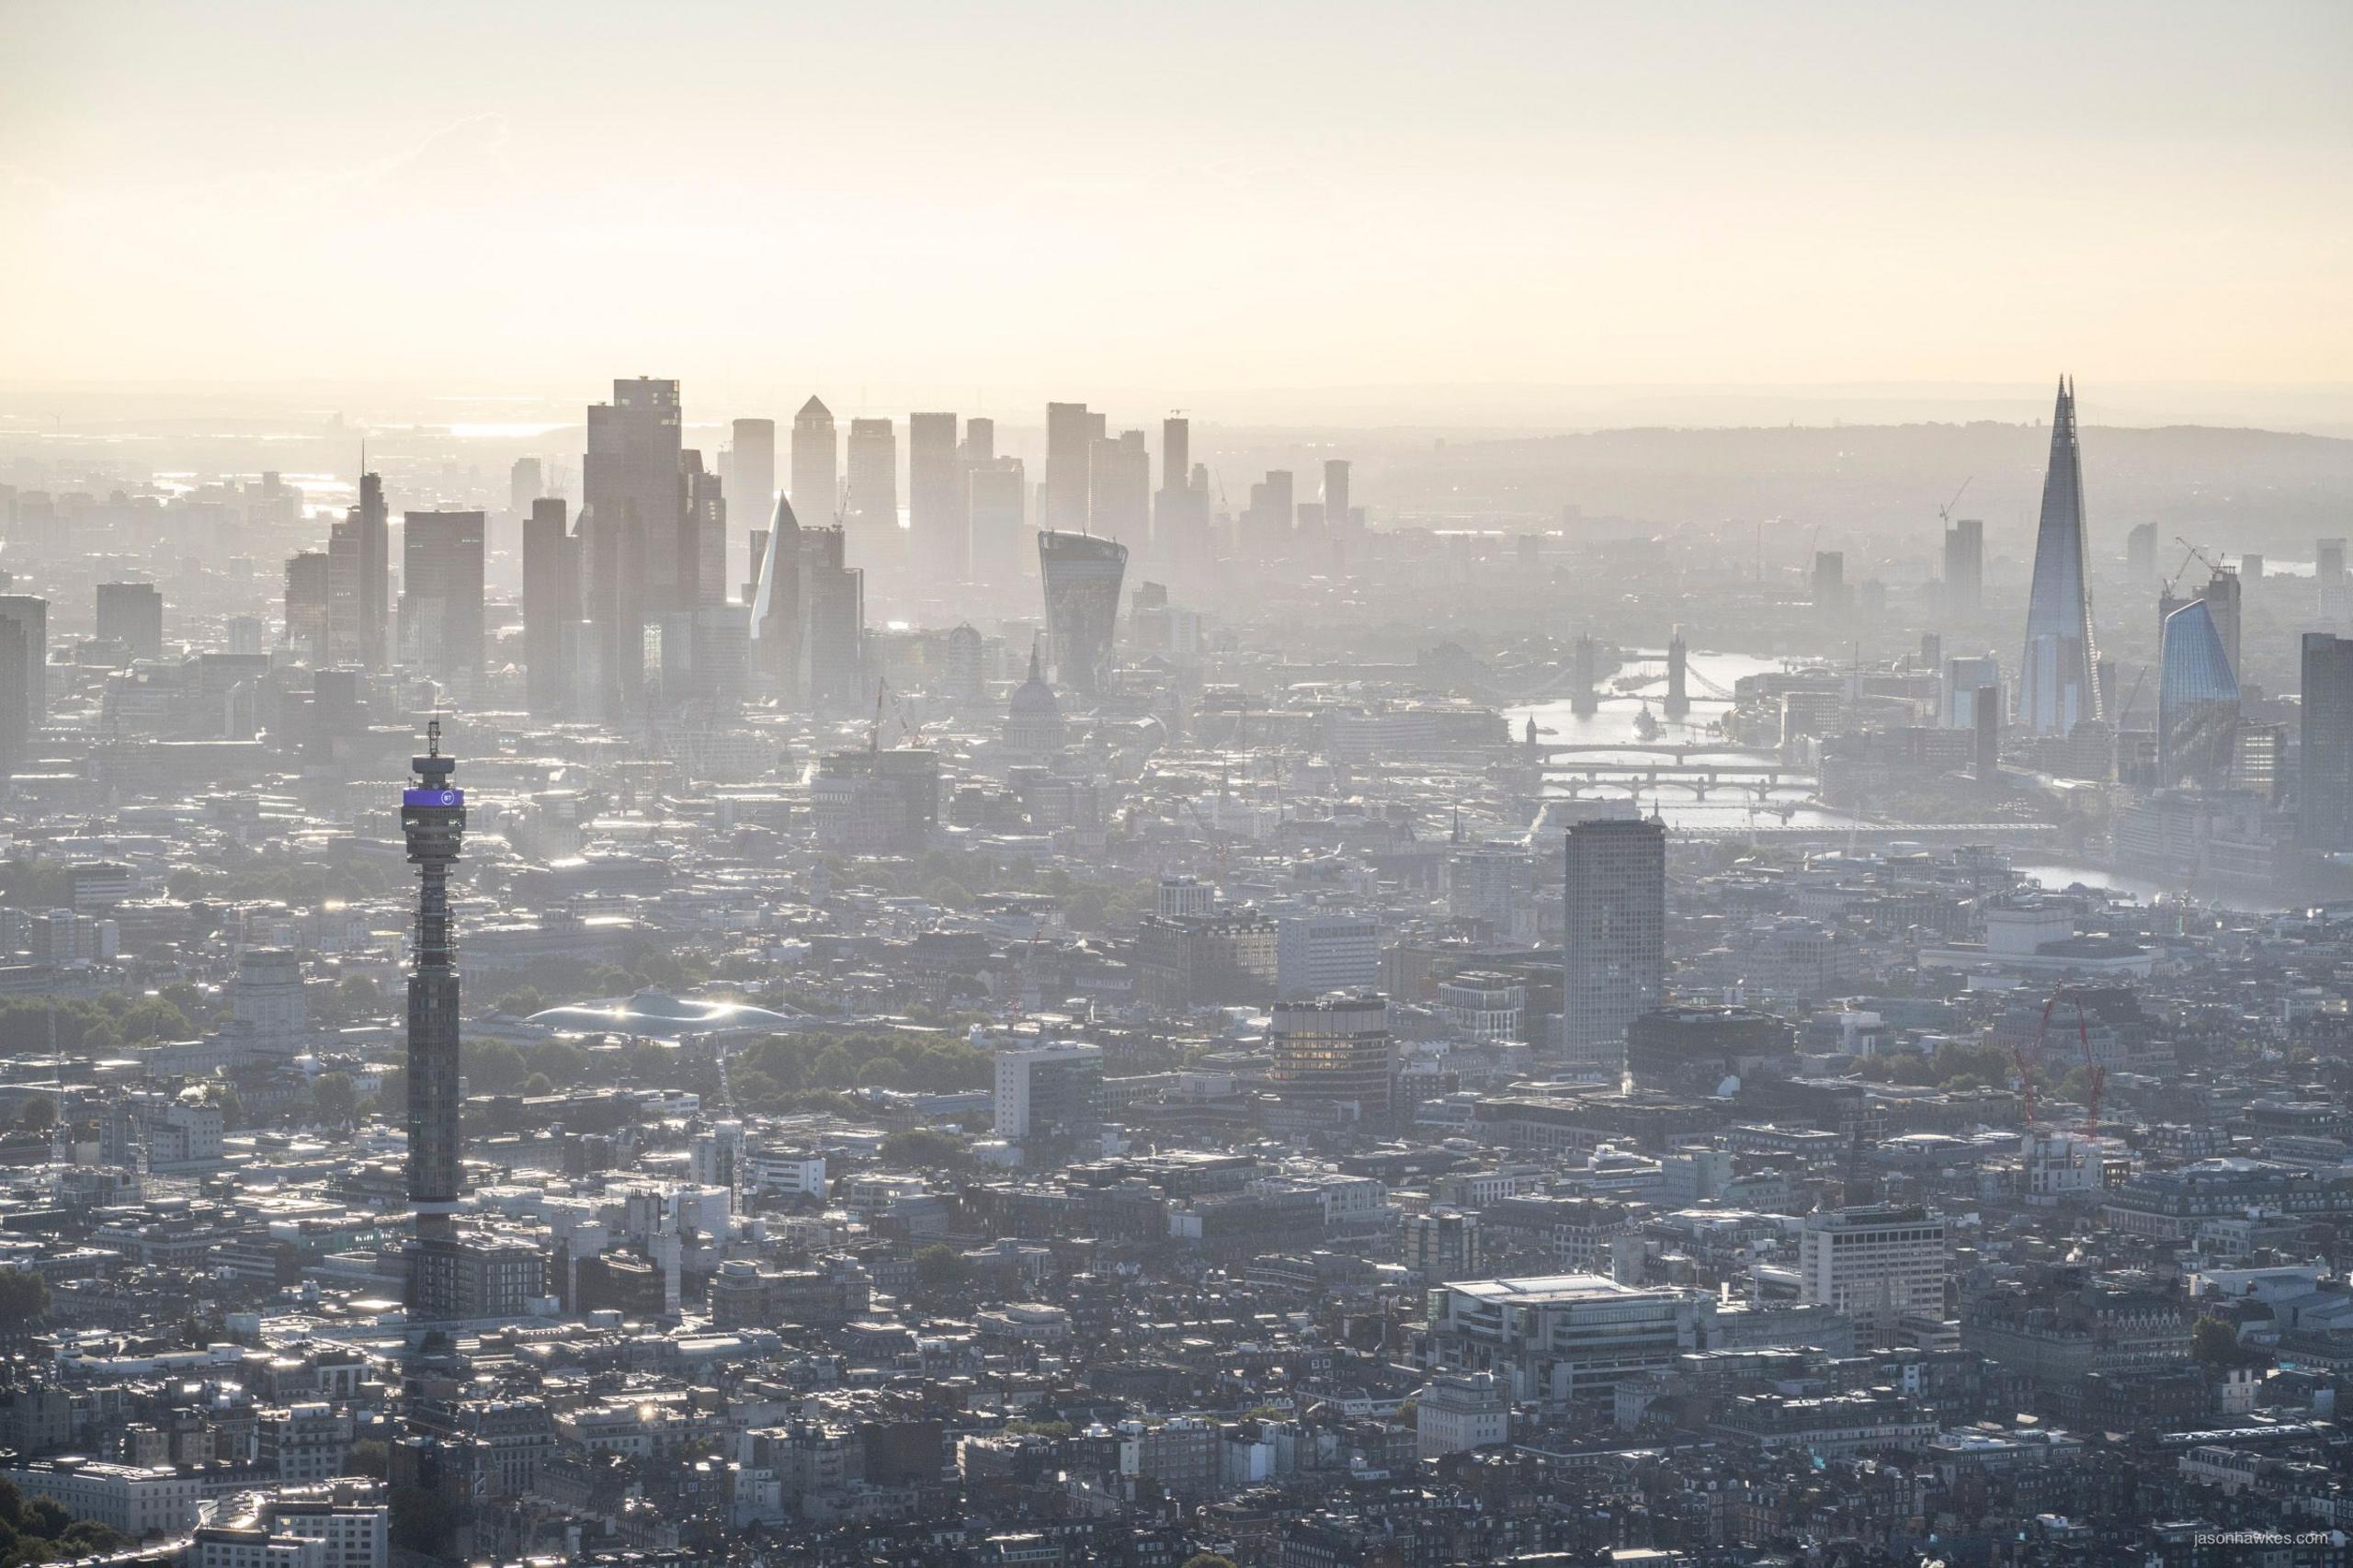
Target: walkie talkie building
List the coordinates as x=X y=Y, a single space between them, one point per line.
x=1082 y=574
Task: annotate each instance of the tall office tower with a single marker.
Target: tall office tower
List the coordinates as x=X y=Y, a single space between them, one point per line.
x=751 y=465
x=1336 y=497
x=24 y=675
x=2141 y=555
x=2058 y=688
x=1334 y=1054
x=308 y=593
x=1965 y=567
x=2250 y=567
x=1615 y=954
x=433 y=817
x=1965 y=677
x=1081 y=575
x=526 y=483
x=1987 y=713
x=1180 y=509
x=777 y=610
x=1172 y=506
x=133 y=615
x=1271 y=518
x=1120 y=489
x=939 y=524
x=832 y=622
x=1070 y=441
x=999 y=493
x=2328 y=576
x=346 y=565
x=372 y=526
x=980 y=442
x=703 y=566
x=441 y=597
x=816 y=456
x=1049 y=1097
x=1878 y=1265
x=551 y=609
x=631 y=515
x=2324 y=744
x=1829 y=583
x=2197 y=702
x=870 y=499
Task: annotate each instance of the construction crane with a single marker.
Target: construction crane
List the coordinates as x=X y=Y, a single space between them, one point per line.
x=2095 y=1074
x=885 y=695
x=2203 y=559
x=2125 y=711
x=1944 y=513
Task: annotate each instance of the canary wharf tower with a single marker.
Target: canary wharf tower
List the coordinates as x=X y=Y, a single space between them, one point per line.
x=2058 y=682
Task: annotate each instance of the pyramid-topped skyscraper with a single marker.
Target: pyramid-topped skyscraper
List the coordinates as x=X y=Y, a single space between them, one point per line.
x=2059 y=682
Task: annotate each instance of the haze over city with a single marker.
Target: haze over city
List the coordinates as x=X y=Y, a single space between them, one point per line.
x=1246 y=199
x=1295 y=785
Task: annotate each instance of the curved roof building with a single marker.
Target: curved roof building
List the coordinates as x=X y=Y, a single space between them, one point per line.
x=1081 y=575
x=659 y=1014
x=2197 y=702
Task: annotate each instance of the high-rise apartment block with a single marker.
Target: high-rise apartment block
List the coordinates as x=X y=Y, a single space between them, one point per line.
x=1616 y=950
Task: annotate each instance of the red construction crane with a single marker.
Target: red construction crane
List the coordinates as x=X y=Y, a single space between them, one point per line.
x=2095 y=1074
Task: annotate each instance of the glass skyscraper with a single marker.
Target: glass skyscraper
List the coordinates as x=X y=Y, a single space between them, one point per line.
x=2324 y=744
x=2059 y=684
x=2197 y=702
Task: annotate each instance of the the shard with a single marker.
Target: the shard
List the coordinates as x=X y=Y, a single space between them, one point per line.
x=2059 y=681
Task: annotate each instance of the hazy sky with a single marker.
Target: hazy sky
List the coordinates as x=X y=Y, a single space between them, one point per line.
x=1175 y=195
